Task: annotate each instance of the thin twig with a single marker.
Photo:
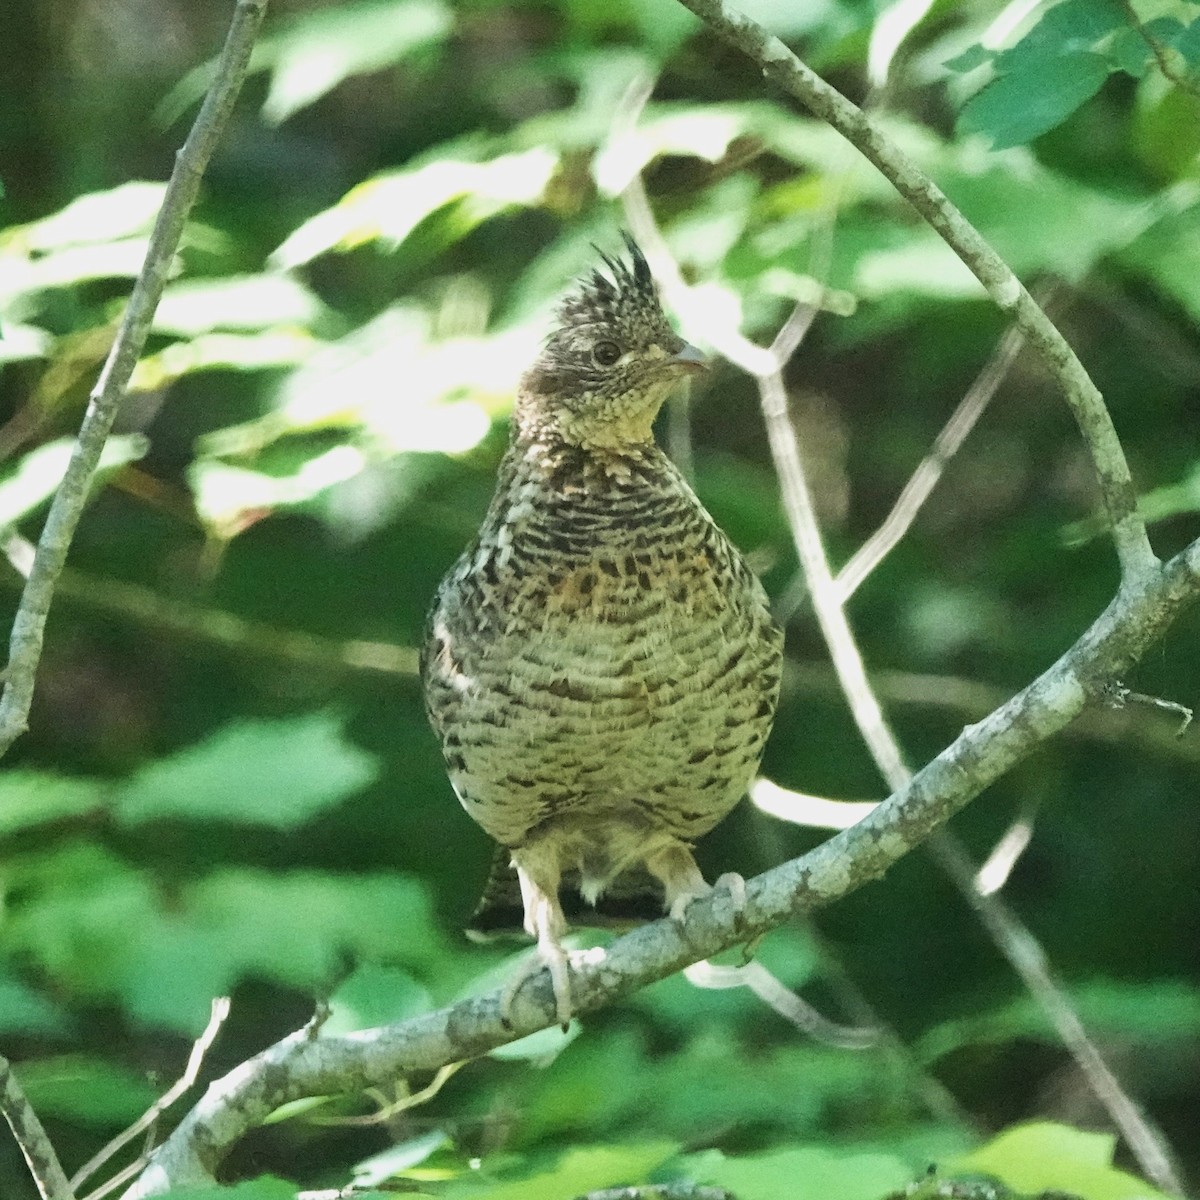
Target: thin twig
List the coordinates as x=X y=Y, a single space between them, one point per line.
x=925 y=478
x=220 y=627
x=778 y=996
x=35 y=1146
x=403 y=1104
x=147 y=1121
x=1146 y=1143
x=25 y=644
x=780 y=65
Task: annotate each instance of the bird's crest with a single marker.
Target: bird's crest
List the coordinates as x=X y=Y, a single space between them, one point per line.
x=626 y=298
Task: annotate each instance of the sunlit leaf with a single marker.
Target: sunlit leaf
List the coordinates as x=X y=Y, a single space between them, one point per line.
x=1044 y=1157
x=236 y=302
x=20 y=342
x=277 y=773
x=222 y=351
x=388 y=207
x=804 y=1173
x=228 y=498
x=323 y=47
x=119 y=214
x=399 y=1158
x=71 y=265
x=575 y=1172
x=37 y=474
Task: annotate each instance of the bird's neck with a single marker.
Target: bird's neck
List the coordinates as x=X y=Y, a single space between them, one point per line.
x=540 y=446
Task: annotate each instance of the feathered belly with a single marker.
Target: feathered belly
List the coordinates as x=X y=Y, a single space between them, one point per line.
x=646 y=711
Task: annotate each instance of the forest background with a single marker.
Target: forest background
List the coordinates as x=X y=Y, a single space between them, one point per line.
x=228 y=786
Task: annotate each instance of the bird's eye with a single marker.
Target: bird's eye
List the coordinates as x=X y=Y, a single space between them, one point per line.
x=606 y=353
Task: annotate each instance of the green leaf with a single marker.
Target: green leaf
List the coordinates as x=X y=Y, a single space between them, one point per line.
x=275 y=773
x=319 y=49
x=1160 y=1012
x=24 y=1011
x=1129 y=53
x=389 y=207
x=972 y=57
x=19 y=342
x=323 y=47
x=1023 y=104
x=375 y=995
x=1187 y=42
x=29 y=798
x=90 y=1091
x=222 y=351
x=803 y=1173
x=238 y=302
x=1066 y=29
x=576 y=1171
x=93 y=924
x=124 y=212
x=33 y=481
x=1045 y=1157
x=266 y=1187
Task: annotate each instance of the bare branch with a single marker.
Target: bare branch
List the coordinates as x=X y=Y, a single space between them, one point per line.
x=304 y=1066
x=25 y=644
x=147 y=1121
x=784 y=1001
x=31 y=1137
x=925 y=478
x=219 y=627
x=1146 y=1143
x=781 y=66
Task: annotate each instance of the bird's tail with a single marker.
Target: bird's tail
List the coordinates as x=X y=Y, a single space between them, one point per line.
x=632 y=898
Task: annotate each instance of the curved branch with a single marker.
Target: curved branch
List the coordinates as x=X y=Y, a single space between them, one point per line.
x=781 y=66
x=29 y=625
x=305 y=1064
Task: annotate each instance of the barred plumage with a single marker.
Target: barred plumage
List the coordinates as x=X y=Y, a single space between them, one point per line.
x=601 y=664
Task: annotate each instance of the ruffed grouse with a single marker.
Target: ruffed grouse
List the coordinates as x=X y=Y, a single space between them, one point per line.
x=600 y=664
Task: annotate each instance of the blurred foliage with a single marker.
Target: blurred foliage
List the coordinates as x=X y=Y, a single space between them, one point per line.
x=228 y=784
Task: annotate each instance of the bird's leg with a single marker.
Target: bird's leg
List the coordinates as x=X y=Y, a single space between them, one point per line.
x=544 y=921
x=675 y=868
x=682 y=882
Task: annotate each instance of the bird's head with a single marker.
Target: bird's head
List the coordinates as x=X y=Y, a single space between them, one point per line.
x=609 y=362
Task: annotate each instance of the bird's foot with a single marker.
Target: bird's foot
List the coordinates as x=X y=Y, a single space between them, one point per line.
x=555 y=958
x=732 y=882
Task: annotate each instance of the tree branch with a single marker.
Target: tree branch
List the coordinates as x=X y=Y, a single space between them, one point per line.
x=783 y=68
x=303 y=1065
x=25 y=643
x=31 y=1137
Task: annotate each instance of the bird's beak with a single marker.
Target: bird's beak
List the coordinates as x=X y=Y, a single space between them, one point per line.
x=690 y=359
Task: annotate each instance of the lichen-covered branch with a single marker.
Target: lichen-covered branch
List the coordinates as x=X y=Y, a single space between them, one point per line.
x=783 y=68
x=35 y=1146
x=25 y=642
x=306 y=1064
